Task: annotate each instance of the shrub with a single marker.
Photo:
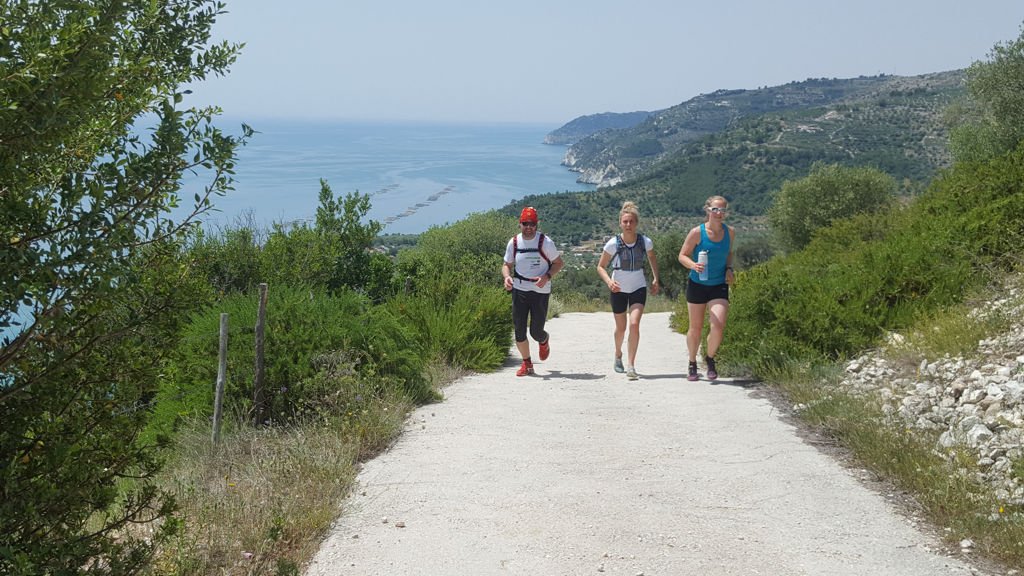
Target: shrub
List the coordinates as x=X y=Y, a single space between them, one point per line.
x=301 y=325
x=228 y=260
x=467 y=253
x=829 y=193
x=868 y=274
x=472 y=330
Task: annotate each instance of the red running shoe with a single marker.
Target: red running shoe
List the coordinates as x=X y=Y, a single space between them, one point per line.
x=525 y=369
x=545 y=349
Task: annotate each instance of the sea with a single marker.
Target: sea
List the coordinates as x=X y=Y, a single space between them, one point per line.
x=417 y=175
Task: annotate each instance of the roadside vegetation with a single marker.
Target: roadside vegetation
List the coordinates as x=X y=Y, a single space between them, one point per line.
x=840 y=288
x=111 y=310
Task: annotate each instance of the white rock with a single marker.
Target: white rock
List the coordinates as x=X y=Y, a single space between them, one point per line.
x=978 y=435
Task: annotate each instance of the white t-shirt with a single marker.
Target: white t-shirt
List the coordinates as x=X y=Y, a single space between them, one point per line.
x=629 y=280
x=530 y=264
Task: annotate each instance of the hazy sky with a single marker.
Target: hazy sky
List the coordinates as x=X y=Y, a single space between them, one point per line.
x=549 y=61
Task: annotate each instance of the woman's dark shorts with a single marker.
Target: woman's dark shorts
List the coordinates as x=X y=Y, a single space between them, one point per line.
x=697 y=293
x=622 y=302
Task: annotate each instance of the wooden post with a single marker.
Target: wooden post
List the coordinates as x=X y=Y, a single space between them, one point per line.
x=222 y=369
x=259 y=399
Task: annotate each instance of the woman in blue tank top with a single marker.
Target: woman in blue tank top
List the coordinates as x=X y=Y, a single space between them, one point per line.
x=710 y=295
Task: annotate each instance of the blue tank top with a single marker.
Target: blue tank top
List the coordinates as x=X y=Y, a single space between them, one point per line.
x=718 y=253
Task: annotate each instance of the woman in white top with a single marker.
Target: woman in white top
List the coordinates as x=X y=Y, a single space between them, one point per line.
x=627 y=253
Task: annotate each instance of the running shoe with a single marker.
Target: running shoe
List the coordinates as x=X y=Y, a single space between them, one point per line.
x=545 y=349
x=631 y=373
x=525 y=369
x=618 y=365
x=712 y=370
x=693 y=376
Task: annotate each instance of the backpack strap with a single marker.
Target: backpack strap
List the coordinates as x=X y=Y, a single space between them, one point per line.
x=620 y=248
x=539 y=249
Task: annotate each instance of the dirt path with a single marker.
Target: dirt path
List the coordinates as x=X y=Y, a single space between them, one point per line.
x=578 y=471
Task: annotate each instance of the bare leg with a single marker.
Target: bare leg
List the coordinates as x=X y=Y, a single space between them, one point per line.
x=696 y=312
x=635 y=313
x=719 y=312
x=620 y=333
x=524 y=348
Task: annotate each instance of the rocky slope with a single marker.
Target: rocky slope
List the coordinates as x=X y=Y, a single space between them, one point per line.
x=976 y=403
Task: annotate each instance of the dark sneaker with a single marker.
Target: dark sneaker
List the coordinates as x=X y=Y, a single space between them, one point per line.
x=618 y=365
x=525 y=369
x=545 y=350
x=692 y=377
x=712 y=370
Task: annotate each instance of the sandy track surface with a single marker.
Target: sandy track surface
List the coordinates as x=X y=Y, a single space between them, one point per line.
x=578 y=471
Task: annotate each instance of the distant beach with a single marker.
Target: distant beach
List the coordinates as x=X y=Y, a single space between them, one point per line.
x=417 y=175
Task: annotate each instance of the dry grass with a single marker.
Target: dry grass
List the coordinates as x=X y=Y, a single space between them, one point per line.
x=261 y=501
x=952 y=332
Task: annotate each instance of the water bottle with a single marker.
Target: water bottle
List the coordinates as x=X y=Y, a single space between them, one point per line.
x=702 y=258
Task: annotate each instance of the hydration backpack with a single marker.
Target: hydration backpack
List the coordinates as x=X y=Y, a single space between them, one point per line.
x=539 y=249
x=630 y=258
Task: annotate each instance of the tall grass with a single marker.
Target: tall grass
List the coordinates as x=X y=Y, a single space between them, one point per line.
x=261 y=501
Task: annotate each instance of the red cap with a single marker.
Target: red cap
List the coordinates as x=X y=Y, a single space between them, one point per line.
x=529 y=214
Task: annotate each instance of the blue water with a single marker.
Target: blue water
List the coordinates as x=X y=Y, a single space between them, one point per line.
x=417 y=175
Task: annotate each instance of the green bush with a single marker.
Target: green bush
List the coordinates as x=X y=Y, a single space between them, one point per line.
x=334 y=254
x=229 y=261
x=472 y=330
x=829 y=193
x=468 y=252
x=868 y=274
x=301 y=325
x=298 y=255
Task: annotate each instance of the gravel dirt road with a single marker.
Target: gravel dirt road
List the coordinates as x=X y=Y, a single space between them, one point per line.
x=578 y=471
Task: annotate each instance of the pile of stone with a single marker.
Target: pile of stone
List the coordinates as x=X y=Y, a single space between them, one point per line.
x=974 y=404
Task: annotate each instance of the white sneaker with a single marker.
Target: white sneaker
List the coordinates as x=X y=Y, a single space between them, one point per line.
x=631 y=373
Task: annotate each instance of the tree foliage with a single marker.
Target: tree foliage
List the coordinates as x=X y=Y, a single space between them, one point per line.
x=91 y=281
x=334 y=254
x=829 y=193
x=466 y=253
x=993 y=121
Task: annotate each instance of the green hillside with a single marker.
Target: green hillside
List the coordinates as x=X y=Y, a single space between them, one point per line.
x=584 y=126
x=613 y=156
x=743 y=144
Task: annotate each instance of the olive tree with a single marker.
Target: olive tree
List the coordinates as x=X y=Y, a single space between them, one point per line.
x=92 y=285
x=829 y=193
x=992 y=122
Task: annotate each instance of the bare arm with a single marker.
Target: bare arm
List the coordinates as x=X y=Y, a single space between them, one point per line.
x=686 y=252
x=730 y=276
x=507 y=271
x=556 y=266
x=602 y=271
x=653 y=259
